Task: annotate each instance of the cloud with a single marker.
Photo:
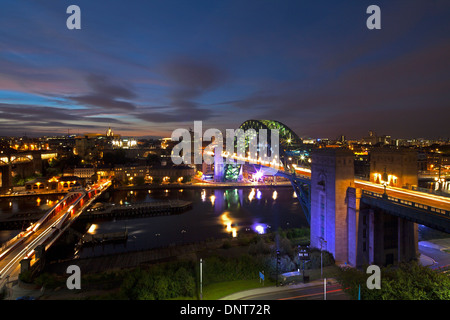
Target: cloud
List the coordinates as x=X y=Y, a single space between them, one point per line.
x=106 y=95
x=378 y=95
x=190 y=80
x=15 y=117
x=193 y=74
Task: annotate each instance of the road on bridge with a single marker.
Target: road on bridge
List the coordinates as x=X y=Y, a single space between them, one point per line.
x=25 y=246
x=405 y=194
x=10 y=264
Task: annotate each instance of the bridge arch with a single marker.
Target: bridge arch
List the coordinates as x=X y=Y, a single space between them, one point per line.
x=289 y=140
x=21 y=158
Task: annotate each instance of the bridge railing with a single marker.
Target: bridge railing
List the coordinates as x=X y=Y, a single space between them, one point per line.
x=436 y=192
x=76 y=209
x=403 y=202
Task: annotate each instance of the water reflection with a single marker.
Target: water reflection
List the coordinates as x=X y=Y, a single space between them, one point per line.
x=251 y=195
x=260 y=229
x=215 y=213
x=203 y=195
x=92 y=229
x=28 y=204
x=228 y=224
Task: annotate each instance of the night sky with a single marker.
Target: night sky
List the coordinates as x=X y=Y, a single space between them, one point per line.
x=148 y=67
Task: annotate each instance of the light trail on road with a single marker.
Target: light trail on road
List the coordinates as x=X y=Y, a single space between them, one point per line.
x=29 y=248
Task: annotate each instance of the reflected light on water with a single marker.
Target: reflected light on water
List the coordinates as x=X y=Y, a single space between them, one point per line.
x=212 y=198
x=258 y=195
x=92 y=229
x=203 y=195
x=274 y=195
x=260 y=229
x=251 y=196
x=227 y=222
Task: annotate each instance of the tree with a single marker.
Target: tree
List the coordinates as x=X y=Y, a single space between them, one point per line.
x=407 y=281
x=183 y=284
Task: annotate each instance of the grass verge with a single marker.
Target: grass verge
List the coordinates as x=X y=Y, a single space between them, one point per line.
x=219 y=290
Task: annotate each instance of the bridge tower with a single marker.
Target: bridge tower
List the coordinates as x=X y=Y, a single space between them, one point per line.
x=397 y=166
x=219 y=167
x=332 y=173
x=353 y=231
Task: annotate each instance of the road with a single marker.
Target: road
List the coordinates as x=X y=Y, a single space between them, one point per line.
x=434 y=249
x=42 y=230
x=308 y=291
x=10 y=264
x=405 y=194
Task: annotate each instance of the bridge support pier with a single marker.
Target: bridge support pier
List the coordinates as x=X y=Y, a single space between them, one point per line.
x=377 y=237
x=6 y=177
x=408 y=240
x=332 y=172
x=24 y=265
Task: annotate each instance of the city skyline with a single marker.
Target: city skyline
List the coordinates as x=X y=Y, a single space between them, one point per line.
x=147 y=69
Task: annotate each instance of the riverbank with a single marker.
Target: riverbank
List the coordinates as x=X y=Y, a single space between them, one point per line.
x=32 y=194
x=225 y=185
x=104 y=277
x=137 y=210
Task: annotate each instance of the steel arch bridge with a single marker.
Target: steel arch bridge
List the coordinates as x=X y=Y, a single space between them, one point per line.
x=289 y=144
x=289 y=141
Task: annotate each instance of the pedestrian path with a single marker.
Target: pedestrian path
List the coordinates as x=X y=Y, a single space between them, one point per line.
x=17 y=291
x=264 y=290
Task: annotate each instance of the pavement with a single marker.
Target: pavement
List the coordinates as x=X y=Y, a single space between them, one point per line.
x=264 y=290
x=435 y=253
x=426 y=261
x=17 y=291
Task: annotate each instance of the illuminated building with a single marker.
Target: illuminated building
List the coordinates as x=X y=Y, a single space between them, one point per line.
x=395 y=167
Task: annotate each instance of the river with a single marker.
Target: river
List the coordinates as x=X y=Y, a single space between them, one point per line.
x=215 y=213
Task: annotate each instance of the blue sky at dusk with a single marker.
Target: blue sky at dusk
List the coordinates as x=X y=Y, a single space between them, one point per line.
x=149 y=67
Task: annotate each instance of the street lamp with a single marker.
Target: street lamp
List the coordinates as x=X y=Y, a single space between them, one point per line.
x=201 y=279
x=321 y=258
x=385 y=180
x=278 y=263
